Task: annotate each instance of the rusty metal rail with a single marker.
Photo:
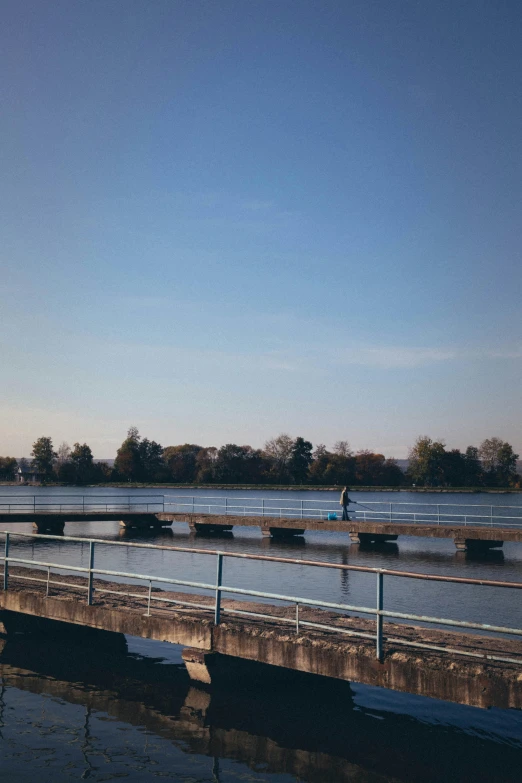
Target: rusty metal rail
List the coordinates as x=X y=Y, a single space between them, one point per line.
x=218 y=588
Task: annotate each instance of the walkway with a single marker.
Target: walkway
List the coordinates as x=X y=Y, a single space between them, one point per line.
x=292 y=632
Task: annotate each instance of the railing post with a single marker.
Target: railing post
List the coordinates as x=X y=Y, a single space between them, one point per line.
x=219 y=575
x=6 y=562
x=380 y=581
x=192 y=505
x=262 y=507
x=91 y=566
x=226 y=506
x=149 y=597
x=438 y=515
x=491 y=516
x=301 y=509
x=297 y=619
x=390 y=512
x=34 y=504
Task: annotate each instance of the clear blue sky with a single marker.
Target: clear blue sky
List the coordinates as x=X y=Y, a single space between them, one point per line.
x=224 y=220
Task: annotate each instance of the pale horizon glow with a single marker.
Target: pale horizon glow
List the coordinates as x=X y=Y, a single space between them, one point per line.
x=225 y=221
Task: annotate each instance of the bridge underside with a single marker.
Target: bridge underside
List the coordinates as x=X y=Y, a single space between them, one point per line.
x=215 y=650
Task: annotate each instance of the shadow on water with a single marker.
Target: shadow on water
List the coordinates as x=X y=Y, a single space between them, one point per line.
x=313 y=729
x=489 y=556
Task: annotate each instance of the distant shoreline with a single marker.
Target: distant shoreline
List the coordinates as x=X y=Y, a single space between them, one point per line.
x=283 y=488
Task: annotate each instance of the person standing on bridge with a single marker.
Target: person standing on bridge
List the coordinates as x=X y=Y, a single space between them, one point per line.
x=344 y=503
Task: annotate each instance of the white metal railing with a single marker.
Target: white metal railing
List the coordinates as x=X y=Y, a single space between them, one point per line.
x=428 y=513
x=385 y=511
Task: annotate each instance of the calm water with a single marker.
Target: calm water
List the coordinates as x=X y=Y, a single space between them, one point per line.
x=62 y=717
x=70 y=714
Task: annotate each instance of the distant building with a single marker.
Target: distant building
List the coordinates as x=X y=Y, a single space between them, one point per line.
x=28 y=476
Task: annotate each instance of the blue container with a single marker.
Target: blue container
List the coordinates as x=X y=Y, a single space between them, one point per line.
x=332 y=517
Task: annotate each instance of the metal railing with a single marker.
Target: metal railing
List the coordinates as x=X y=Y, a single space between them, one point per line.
x=62 y=504
x=428 y=513
x=375 y=511
x=218 y=588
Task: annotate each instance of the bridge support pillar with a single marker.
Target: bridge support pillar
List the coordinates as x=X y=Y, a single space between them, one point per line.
x=200 y=527
x=281 y=532
x=53 y=527
x=356 y=537
x=198 y=663
x=476 y=544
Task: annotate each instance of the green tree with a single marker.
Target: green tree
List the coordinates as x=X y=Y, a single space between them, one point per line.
x=181 y=462
x=43 y=457
x=339 y=471
x=426 y=462
x=300 y=460
x=102 y=473
x=321 y=458
x=205 y=465
x=474 y=476
x=128 y=463
x=81 y=459
x=150 y=458
x=238 y=464
x=499 y=462
x=453 y=468
x=8 y=466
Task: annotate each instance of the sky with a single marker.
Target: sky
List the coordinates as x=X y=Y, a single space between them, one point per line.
x=225 y=220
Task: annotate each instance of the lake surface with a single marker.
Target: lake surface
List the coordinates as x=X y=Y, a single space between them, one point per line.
x=62 y=717
x=68 y=714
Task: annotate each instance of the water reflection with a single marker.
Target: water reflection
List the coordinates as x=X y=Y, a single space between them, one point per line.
x=100 y=714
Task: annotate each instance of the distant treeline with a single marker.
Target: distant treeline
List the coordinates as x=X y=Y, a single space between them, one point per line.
x=282 y=460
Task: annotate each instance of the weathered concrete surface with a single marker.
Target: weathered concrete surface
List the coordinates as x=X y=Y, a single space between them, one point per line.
x=330 y=654
x=71 y=608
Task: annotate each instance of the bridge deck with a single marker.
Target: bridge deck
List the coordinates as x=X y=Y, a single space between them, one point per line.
x=377 y=527
x=272 y=525
x=443 y=675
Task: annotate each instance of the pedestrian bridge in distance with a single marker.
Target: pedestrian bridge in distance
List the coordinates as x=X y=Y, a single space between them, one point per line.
x=229 y=630
x=474 y=526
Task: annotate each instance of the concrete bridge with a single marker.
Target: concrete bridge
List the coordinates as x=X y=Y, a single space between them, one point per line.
x=473 y=527
x=236 y=637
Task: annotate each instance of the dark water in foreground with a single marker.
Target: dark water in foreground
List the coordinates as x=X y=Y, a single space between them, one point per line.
x=69 y=714
x=77 y=713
